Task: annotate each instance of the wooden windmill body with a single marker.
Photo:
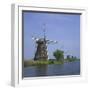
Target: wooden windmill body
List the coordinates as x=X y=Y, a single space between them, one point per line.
x=41 y=52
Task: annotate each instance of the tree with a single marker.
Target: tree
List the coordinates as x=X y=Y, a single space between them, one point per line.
x=58 y=54
x=68 y=56
x=71 y=58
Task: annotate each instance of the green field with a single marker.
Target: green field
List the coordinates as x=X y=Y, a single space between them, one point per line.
x=45 y=62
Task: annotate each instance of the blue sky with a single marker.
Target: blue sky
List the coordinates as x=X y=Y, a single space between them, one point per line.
x=64 y=28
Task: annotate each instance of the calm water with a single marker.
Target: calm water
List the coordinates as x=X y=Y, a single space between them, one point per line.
x=71 y=68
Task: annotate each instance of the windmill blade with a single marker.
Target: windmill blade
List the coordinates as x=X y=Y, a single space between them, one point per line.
x=51 y=41
x=34 y=38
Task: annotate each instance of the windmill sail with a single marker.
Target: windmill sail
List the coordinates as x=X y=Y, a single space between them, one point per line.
x=41 y=50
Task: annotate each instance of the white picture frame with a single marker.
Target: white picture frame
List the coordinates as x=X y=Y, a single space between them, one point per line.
x=16 y=60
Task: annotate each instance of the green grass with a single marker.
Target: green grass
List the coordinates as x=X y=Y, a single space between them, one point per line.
x=46 y=62
x=71 y=60
x=40 y=62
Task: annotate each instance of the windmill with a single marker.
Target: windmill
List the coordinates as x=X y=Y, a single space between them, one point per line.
x=41 y=52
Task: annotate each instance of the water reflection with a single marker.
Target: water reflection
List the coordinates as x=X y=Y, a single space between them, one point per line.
x=72 y=68
x=41 y=70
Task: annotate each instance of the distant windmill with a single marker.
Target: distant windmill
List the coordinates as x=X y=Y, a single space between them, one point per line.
x=41 y=48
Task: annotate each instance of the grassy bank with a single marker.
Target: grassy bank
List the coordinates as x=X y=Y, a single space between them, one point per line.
x=71 y=60
x=41 y=62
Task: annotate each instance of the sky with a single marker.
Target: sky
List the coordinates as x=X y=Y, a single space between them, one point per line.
x=61 y=27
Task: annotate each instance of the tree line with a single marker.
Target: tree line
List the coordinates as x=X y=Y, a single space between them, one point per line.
x=59 y=56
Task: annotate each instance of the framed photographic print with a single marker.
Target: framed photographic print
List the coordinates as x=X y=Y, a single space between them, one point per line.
x=46 y=43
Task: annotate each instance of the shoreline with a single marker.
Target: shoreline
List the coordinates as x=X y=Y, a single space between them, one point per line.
x=38 y=63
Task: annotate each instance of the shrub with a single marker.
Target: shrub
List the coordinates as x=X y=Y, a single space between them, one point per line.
x=58 y=54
